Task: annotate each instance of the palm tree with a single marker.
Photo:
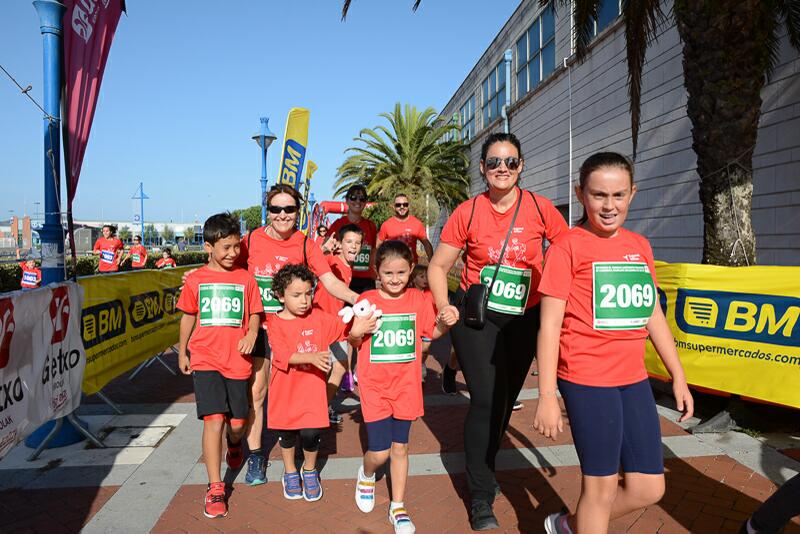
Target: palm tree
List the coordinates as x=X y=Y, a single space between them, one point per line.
x=729 y=48
x=408 y=155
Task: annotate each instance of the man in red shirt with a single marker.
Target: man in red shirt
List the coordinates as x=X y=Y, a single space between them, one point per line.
x=109 y=248
x=406 y=228
x=363 y=269
x=137 y=254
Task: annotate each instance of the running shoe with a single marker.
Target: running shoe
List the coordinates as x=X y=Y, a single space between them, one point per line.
x=291 y=486
x=398 y=517
x=333 y=417
x=235 y=456
x=365 y=491
x=481 y=516
x=215 y=501
x=557 y=523
x=312 y=489
x=517 y=406
x=449 y=381
x=256 y=470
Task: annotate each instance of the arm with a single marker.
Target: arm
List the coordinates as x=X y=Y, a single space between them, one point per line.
x=187 y=325
x=246 y=344
x=320 y=360
x=443 y=260
x=548 y=419
x=337 y=288
x=428 y=249
x=662 y=339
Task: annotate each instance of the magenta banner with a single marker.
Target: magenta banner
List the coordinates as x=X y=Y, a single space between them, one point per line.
x=89 y=27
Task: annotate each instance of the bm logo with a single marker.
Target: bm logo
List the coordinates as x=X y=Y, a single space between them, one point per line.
x=292 y=163
x=101 y=322
x=745 y=316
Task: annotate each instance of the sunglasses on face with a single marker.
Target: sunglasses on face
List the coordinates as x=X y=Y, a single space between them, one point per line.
x=275 y=210
x=512 y=163
x=401 y=204
x=357 y=199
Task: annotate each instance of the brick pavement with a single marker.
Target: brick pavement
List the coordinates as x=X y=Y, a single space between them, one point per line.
x=705 y=492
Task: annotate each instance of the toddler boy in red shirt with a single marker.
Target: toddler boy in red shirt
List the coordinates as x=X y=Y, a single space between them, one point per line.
x=222 y=308
x=31 y=275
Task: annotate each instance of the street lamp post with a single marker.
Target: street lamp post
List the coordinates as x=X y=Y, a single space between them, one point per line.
x=264 y=137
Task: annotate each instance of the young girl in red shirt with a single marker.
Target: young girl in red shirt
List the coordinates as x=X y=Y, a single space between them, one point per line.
x=389 y=374
x=300 y=337
x=599 y=304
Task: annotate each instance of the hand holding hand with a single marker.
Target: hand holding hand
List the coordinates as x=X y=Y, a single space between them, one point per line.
x=448 y=315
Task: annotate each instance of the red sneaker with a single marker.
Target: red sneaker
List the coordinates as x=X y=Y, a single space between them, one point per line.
x=215 y=501
x=235 y=455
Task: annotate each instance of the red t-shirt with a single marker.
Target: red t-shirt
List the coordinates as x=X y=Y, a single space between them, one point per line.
x=589 y=354
x=219 y=326
x=297 y=393
x=408 y=230
x=488 y=231
x=108 y=254
x=138 y=256
x=264 y=256
x=362 y=268
x=165 y=263
x=30 y=277
x=394 y=387
x=322 y=297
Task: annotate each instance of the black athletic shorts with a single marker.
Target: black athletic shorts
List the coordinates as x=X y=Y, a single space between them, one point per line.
x=261 y=349
x=216 y=394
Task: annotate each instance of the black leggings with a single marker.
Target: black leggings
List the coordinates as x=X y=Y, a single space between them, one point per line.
x=309 y=439
x=779 y=509
x=495 y=362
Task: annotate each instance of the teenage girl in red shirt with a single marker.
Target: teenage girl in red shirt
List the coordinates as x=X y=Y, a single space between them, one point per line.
x=599 y=304
x=389 y=374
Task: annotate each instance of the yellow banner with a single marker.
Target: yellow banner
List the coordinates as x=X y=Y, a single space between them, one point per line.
x=295 y=144
x=305 y=211
x=127 y=318
x=736 y=328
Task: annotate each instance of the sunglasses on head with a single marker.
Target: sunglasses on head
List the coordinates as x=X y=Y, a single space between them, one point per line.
x=512 y=163
x=275 y=210
x=401 y=204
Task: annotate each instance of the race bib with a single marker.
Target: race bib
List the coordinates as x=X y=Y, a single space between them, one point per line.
x=136 y=258
x=509 y=294
x=107 y=256
x=396 y=341
x=362 y=259
x=271 y=304
x=221 y=304
x=29 y=277
x=623 y=295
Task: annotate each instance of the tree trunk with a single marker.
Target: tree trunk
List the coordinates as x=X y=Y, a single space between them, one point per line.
x=725 y=58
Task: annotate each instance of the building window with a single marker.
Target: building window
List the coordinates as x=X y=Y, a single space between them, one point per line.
x=467 y=119
x=607 y=13
x=536 y=52
x=494 y=94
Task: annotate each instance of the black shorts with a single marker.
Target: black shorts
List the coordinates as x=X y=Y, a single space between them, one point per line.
x=261 y=349
x=216 y=394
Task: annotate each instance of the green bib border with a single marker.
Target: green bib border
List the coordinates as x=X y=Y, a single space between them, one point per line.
x=634 y=317
x=229 y=318
x=516 y=275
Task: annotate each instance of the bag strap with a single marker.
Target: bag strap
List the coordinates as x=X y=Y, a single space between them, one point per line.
x=538 y=209
x=508 y=236
x=305 y=253
x=466 y=247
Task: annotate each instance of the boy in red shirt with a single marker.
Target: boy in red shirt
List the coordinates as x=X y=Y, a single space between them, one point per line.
x=109 y=248
x=166 y=261
x=137 y=254
x=222 y=308
x=301 y=339
x=31 y=275
x=363 y=270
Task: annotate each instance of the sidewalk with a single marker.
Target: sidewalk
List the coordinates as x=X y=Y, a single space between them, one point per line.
x=151 y=478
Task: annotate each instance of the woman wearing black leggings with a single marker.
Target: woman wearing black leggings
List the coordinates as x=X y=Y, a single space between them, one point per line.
x=496 y=358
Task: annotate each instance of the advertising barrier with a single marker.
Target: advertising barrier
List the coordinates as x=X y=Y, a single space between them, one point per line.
x=41 y=359
x=736 y=328
x=127 y=318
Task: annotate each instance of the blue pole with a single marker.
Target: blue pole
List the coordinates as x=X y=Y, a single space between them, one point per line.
x=52 y=232
x=263 y=172
x=141 y=207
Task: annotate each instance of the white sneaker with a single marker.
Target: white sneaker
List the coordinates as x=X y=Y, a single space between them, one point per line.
x=401 y=521
x=557 y=524
x=365 y=491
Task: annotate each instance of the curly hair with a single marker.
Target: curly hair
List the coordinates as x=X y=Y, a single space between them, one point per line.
x=288 y=273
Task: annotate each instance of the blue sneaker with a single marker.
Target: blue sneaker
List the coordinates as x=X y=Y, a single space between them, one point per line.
x=291 y=486
x=256 y=470
x=312 y=489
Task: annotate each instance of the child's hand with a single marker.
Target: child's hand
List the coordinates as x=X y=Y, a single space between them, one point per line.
x=330 y=245
x=363 y=325
x=548 y=420
x=448 y=315
x=183 y=364
x=246 y=344
x=320 y=360
x=683 y=398
x=186 y=275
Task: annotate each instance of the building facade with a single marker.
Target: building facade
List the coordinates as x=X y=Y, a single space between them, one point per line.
x=555 y=100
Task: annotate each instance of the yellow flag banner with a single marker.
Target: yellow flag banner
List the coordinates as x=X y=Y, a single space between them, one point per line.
x=127 y=318
x=736 y=328
x=295 y=144
x=305 y=210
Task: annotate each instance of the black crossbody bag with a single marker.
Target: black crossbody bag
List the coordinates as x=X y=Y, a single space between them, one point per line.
x=476 y=298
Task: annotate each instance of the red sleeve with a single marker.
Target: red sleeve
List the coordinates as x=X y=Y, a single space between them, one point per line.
x=241 y=259
x=421 y=233
x=187 y=302
x=254 y=302
x=334 y=228
x=279 y=346
x=374 y=233
x=649 y=258
x=333 y=328
x=383 y=234
x=96 y=244
x=316 y=259
x=22 y=265
x=557 y=274
x=554 y=223
x=427 y=316
x=454 y=232
x=39 y=275
x=119 y=245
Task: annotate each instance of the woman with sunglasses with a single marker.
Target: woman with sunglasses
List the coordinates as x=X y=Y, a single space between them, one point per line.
x=263 y=252
x=363 y=268
x=496 y=359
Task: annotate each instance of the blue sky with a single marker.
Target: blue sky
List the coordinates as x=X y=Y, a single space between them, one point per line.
x=186 y=83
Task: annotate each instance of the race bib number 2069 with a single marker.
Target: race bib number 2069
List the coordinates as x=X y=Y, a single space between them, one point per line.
x=221 y=304
x=623 y=295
